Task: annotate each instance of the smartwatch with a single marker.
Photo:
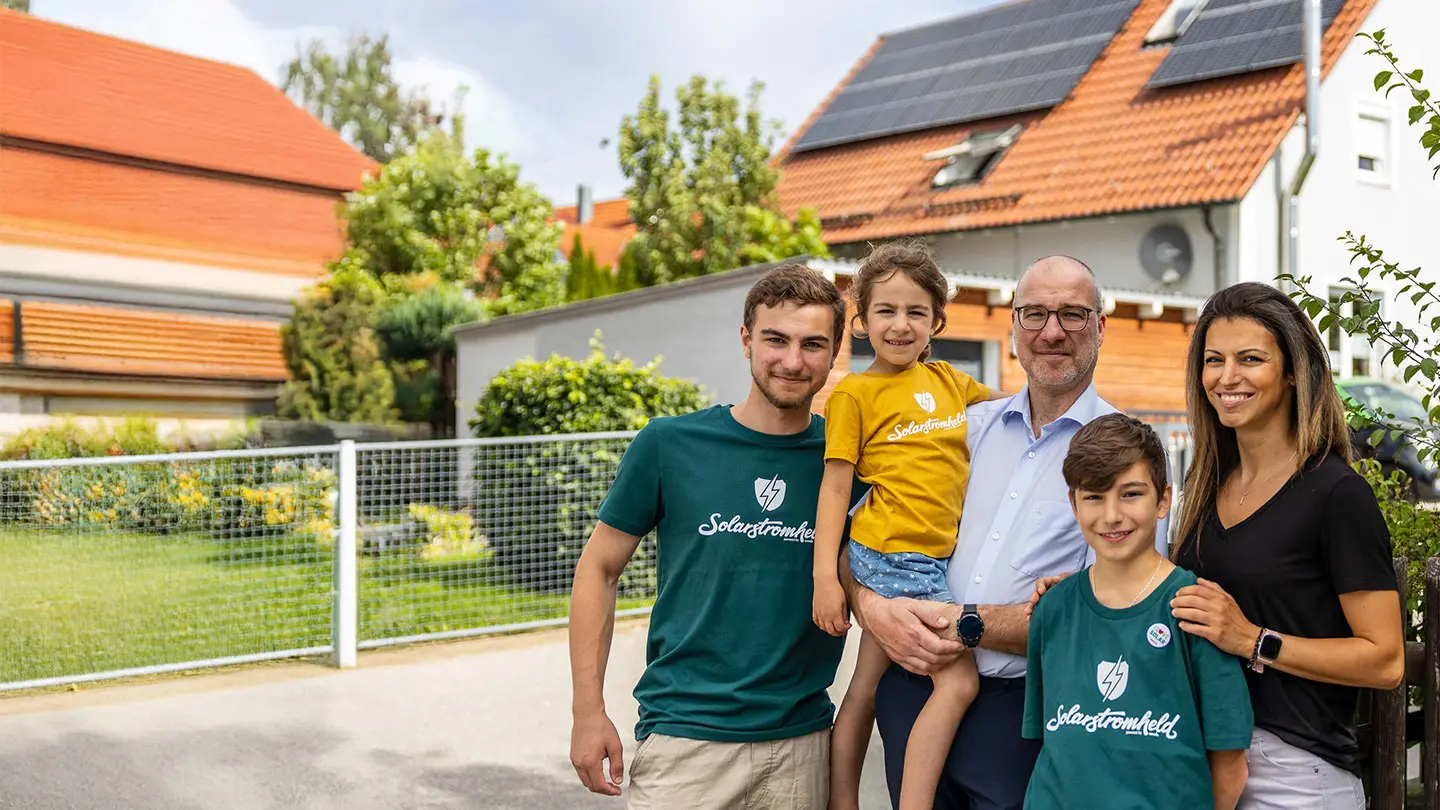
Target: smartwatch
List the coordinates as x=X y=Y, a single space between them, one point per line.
x=970 y=627
x=1267 y=649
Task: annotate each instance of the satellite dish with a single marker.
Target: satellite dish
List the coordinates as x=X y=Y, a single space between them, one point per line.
x=1166 y=253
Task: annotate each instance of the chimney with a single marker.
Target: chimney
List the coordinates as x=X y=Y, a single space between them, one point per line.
x=584 y=205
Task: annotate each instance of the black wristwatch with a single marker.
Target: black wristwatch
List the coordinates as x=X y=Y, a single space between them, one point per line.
x=970 y=627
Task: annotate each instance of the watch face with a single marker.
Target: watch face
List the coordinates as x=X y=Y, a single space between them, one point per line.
x=970 y=625
x=1269 y=647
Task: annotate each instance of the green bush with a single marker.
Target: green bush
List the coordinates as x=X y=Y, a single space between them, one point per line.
x=229 y=498
x=66 y=438
x=537 y=506
x=1414 y=534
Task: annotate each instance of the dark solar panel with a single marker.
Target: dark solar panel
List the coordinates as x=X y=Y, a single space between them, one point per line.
x=1230 y=37
x=1020 y=56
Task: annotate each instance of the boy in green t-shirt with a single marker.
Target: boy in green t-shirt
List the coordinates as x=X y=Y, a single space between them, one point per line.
x=1132 y=712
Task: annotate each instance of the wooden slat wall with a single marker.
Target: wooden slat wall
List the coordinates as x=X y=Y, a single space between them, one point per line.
x=125 y=341
x=1142 y=363
x=7 y=331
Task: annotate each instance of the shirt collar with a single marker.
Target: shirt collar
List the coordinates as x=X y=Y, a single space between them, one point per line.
x=1082 y=412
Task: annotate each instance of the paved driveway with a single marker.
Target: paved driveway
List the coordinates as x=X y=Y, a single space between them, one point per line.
x=481 y=724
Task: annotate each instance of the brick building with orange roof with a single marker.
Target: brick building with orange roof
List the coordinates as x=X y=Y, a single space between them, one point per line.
x=158 y=213
x=1156 y=140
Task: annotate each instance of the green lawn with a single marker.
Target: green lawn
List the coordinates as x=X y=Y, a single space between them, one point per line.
x=80 y=603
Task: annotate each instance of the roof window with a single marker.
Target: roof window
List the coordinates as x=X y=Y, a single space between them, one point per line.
x=1174 y=21
x=968 y=161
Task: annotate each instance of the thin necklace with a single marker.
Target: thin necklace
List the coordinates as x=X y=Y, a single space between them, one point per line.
x=1288 y=463
x=1143 y=588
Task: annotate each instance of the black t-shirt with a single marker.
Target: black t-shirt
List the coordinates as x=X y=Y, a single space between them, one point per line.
x=1322 y=535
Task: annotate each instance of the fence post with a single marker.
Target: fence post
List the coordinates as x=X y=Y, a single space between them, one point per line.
x=346 y=597
x=1429 y=773
x=1387 y=725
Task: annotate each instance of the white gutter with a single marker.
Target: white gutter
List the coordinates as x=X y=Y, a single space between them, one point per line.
x=1311 y=36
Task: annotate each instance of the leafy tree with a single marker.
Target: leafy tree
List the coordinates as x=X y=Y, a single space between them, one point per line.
x=771 y=237
x=464 y=219
x=1357 y=311
x=337 y=370
x=356 y=94
x=16 y=5
x=587 y=278
x=692 y=185
x=414 y=333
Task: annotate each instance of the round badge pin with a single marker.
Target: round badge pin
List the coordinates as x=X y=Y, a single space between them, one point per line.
x=1158 y=635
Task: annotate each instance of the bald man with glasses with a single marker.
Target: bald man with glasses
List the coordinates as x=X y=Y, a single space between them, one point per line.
x=1017 y=527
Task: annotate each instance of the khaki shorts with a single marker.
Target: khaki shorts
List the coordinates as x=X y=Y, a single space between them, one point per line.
x=671 y=773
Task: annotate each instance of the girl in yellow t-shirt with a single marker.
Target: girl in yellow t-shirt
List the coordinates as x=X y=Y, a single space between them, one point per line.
x=900 y=427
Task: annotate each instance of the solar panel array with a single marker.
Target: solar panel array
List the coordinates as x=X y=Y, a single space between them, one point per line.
x=1017 y=57
x=1237 y=36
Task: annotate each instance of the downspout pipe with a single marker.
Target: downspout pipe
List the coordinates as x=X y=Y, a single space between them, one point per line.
x=1311 y=34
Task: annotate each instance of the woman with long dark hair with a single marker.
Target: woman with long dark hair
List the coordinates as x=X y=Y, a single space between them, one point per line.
x=1290 y=546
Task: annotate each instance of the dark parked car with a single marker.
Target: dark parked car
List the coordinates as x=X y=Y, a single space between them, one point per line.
x=1395 y=452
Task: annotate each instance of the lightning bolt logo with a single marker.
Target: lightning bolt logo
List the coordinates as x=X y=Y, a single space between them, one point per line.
x=1112 y=678
x=770 y=493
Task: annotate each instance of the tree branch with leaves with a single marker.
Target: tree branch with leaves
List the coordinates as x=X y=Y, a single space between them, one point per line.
x=1357 y=311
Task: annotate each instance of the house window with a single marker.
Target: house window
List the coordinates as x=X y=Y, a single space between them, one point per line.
x=1173 y=22
x=969 y=160
x=1350 y=355
x=965 y=355
x=1372 y=146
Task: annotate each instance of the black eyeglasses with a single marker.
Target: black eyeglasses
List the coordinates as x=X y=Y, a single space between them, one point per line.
x=1034 y=318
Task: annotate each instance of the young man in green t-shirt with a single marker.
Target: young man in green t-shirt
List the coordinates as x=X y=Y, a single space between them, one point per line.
x=1133 y=713
x=733 y=704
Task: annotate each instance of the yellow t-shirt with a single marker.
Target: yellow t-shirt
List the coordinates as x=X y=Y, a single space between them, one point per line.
x=905 y=434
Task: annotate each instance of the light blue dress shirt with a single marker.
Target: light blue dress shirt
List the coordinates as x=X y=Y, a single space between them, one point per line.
x=1017 y=525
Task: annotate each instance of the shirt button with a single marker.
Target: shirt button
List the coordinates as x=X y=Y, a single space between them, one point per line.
x=994 y=537
x=977 y=579
x=1013 y=495
x=1032 y=455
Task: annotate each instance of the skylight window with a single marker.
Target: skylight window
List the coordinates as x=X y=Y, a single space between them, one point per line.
x=969 y=160
x=1174 y=21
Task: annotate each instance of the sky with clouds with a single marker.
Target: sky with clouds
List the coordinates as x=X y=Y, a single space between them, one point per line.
x=548 y=79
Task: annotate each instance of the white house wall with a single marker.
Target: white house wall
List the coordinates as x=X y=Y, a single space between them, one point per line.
x=1400 y=216
x=1110 y=245
x=478 y=358
x=697 y=336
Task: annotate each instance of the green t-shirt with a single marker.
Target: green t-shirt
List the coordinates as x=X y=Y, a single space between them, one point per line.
x=732 y=655
x=1126 y=703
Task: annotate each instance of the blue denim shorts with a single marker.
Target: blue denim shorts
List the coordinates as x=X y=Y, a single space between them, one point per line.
x=904 y=573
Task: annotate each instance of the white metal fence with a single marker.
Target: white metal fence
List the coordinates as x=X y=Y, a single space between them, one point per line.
x=131 y=565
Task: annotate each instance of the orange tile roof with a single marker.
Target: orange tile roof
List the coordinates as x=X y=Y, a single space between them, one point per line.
x=63 y=85
x=76 y=204
x=1112 y=147
x=607 y=232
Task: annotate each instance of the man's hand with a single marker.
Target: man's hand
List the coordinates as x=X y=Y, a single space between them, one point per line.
x=1042 y=585
x=593 y=740
x=828 y=610
x=908 y=630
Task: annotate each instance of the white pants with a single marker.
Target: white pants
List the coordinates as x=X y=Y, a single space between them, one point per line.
x=1283 y=777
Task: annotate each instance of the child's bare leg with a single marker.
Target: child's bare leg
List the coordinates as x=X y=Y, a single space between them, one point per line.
x=853 y=725
x=934 y=731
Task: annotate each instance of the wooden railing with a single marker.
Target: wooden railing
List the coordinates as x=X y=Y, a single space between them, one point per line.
x=1388 y=722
